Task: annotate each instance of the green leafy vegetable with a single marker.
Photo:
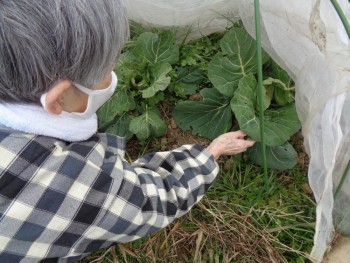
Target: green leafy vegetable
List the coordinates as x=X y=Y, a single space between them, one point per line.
x=160 y=80
x=154 y=68
x=187 y=80
x=237 y=59
x=279 y=90
x=209 y=118
x=121 y=127
x=120 y=102
x=280 y=123
x=278 y=73
x=190 y=75
x=148 y=124
x=157 y=48
x=144 y=71
x=281 y=157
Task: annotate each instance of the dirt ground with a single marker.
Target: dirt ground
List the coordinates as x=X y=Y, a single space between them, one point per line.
x=340 y=251
x=173 y=138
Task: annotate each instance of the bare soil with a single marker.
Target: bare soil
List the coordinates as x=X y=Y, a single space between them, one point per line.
x=339 y=252
x=297 y=141
x=174 y=137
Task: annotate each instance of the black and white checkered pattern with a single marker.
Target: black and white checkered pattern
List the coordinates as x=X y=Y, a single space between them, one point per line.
x=60 y=201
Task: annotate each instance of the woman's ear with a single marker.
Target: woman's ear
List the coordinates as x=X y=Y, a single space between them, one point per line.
x=55 y=97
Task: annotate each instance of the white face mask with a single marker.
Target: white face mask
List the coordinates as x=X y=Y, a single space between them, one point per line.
x=96 y=98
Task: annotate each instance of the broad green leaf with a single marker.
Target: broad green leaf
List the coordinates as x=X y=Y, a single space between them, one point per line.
x=279 y=73
x=190 y=75
x=237 y=59
x=148 y=124
x=280 y=123
x=120 y=102
x=157 y=48
x=183 y=90
x=160 y=80
x=186 y=81
x=284 y=92
x=281 y=93
x=155 y=100
x=124 y=61
x=121 y=127
x=208 y=118
x=267 y=97
x=283 y=97
x=281 y=157
x=135 y=74
x=224 y=73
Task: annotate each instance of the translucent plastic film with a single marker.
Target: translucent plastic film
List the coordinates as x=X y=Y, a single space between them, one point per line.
x=199 y=17
x=308 y=39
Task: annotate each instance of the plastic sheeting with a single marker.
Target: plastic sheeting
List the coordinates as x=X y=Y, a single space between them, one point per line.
x=308 y=39
x=198 y=17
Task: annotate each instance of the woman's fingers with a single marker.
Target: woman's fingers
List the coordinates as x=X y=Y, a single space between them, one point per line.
x=236 y=146
x=229 y=144
x=240 y=134
x=249 y=143
x=237 y=134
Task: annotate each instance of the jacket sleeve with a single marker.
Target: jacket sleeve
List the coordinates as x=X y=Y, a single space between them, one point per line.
x=64 y=200
x=151 y=192
x=160 y=187
x=174 y=181
x=127 y=201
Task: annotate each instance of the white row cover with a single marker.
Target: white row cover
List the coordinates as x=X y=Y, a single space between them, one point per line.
x=307 y=39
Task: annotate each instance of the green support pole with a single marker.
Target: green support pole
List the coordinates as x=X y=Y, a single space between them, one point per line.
x=342 y=16
x=260 y=91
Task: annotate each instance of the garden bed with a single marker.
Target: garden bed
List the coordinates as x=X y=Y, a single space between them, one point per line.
x=241 y=219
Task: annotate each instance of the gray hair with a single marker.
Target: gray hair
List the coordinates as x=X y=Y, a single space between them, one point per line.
x=44 y=41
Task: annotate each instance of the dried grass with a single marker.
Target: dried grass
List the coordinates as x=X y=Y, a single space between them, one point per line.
x=214 y=232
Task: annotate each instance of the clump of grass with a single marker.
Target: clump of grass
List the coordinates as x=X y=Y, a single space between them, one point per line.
x=235 y=222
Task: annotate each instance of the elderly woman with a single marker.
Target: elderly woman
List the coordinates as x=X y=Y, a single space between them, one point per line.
x=65 y=190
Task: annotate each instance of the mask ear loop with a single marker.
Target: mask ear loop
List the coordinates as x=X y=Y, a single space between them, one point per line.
x=96 y=92
x=43 y=101
x=97 y=97
x=107 y=92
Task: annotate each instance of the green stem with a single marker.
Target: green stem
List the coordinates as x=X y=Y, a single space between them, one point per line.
x=342 y=181
x=260 y=91
x=342 y=16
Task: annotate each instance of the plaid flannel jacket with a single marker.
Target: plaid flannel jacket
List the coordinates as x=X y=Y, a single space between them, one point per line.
x=59 y=201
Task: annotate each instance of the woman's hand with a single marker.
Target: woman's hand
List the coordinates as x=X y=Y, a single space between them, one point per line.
x=229 y=144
